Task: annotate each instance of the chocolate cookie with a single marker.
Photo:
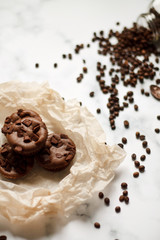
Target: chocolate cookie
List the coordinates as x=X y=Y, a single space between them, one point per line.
x=25 y=132
x=155 y=91
x=58 y=152
x=13 y=165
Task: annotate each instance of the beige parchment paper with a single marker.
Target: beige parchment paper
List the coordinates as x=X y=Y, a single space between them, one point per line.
x=42 y=192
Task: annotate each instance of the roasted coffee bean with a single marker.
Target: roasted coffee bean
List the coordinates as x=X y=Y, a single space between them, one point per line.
x=142 y=137
x=136 y=174
x=126 y=199
x=144 y=144
x=157 y=60
x=37 y=65
x=148 y=150
x=158 y=117
x=157 y=81
x=125 y=193
x=131 y=100
x=143 y=157
x=125 y=104
x=64 y=55
x=121 y=145
x=55 y=65
x=101 y=195
x=91 y=94
x=133 y=156
x=141 y=168
x=85 y=70
x=126 y=124
x=137 y=163
x=147 y=94
x=98 y=110
x=107 y=201
x=136 y=107
x=113 y=127
x=97 y=225
x=124 y=185
x=79 y=79
x=124 y=140
x=137 y=135
x=117 y=209
x=130 y=93
x=70 y=56
x=121 y=198
x=157 y=130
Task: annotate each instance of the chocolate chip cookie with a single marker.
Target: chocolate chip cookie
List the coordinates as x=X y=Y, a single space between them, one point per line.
x=25 y=132
x=13 y=165
x=58 y=152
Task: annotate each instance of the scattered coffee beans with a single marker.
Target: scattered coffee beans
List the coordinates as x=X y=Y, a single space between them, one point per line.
x=91 y=94
x=97 y=225
x=117 y=209
x=158 y=117
x=126 y=124
x=136 y=163
x=124 y=185
x=148 y=150
x=143 y=157
x=136 y=107
x=70 y=56
x=101 y=195
x=141 y=168
x=157 y=130
x=126 y=199
x=133 y=156
x=85 y=70
x=137 y=135
x=124 y=140
x=121 y=145
x=144 y=144
x=142 y=137
x=125 y=193
x=107 y=201
x=121 y=198
x=98 y=110
x=136 y=174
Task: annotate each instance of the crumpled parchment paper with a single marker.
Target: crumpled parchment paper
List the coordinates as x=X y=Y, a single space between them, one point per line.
x=42 y=192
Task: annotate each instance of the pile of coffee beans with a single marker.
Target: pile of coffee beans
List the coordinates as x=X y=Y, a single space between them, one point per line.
x=129 y=57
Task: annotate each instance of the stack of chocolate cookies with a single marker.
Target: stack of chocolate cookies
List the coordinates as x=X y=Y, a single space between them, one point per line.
x=28 y=140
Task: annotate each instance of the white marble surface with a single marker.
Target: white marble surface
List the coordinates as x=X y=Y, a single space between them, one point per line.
x=40 y=31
